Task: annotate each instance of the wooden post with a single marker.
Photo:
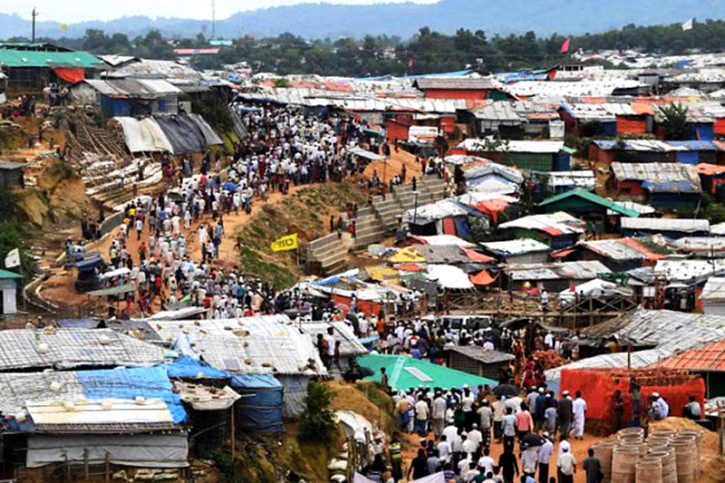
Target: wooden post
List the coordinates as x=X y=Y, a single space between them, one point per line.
x=591 y=311
x=234 y=438
x=108 y=468
x=85 y=465
x=66 y=465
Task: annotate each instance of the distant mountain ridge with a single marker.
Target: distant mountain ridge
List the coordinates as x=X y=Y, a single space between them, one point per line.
x=403 y=19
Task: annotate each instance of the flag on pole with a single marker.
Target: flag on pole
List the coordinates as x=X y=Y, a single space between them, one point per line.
x=12 y=259
x=565 y=46
x=688 y=25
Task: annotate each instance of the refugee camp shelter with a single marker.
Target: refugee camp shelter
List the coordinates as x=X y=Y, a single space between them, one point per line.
x=607 y=152
x=712 y=177
x=475 y=360
x=581 y=202
x=563 y=181
x=128 y=97
x=9 y=292
x=666 y=185
x=713 y=296
x=99 y=420
x=557 y=230
x=529 y=155
x=22 y=349
x=406 y=372
x=187 y=133
x=668 y=227
x=251 y=345
x=456 y=87
x=707 y=360
x=34 y=66
x=619 y=254
x=554 y=277
x=11 y=174
x=521 y=250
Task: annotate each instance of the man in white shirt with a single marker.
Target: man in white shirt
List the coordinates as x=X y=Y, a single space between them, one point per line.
x=438 y=414
x=421 y=418
x=544 y=456
x=444 y=449
x=451 y=434
x=579 y=408
x=468 y=446
x=475 y=436
x=486 y=462
x=499 y=411
x=529 y=459
x=486 y=418
x=514 y=403
x=567 y=466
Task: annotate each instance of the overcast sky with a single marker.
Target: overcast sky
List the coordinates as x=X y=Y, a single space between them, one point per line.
x=69 y=11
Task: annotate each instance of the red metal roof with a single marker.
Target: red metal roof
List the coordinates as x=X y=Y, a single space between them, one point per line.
x=709 y=357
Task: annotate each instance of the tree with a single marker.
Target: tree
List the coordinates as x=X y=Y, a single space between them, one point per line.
x=675 y=121
x=317 y=423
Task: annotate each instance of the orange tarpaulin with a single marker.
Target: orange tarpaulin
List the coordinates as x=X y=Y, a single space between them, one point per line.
x=491 y=207
x=72 y=76
x=631 y=126
x=482 y=278
x=720 y=126
x=477 y=257
x=449 y=226
x=410 y=267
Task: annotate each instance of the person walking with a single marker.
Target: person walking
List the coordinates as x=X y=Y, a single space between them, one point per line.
x=579 y=410
x=593 y=468
x=509 y=430
x=508 y=465
x=485 y=416
x=565 y=412
x=545 y=452
x=567 y=466
x=438 y=414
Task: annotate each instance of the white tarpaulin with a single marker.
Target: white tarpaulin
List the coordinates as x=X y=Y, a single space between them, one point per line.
x=594 y=288
x=115 y=273
x=449 y=277
x=144 y=135
x=155 y=451
x=108 y=411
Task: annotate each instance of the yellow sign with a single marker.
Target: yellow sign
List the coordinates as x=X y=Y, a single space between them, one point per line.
x=285 y=243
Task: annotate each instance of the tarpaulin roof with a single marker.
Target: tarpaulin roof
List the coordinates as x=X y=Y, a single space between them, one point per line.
x=582 y=179
x=407 y=255
x=406 y=372
x=709 y=169
x=31 y=58
x=595 y=288
x=482 y=355
x=442 y=240
x=636 y=360
x=554 y=224
x=482 y=278
x=144 y=135
x=541 y=147
x=592 y=198
x=621 y=249
x=134 y=88
x=700 y=244
x=687 y=270
x=174 y=134
x=449 y=277
x=714 y=289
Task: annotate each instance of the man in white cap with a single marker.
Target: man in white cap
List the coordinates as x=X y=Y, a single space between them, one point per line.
x=579 y=409
x=565 y=414
x=544 y=456
x=475 y=436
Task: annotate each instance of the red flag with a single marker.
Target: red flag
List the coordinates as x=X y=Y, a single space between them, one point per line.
x=511 y=64
x=565 y=46
x=410 y=63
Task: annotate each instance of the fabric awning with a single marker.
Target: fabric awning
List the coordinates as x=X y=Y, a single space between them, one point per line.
x=72 y=76
x=482 y=278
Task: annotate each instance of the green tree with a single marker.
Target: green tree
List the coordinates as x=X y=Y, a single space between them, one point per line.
x=675 y=121
x=317 y=423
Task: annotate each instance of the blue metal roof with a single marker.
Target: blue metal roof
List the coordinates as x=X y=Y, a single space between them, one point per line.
x=695 y=145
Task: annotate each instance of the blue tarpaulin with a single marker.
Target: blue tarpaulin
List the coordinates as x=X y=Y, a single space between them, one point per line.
x=148 y=382
x=260 y=408
x=462 y=229
x=78 y=323
x=188 y=368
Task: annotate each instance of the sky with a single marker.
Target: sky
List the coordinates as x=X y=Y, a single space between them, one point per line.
x=70 y=11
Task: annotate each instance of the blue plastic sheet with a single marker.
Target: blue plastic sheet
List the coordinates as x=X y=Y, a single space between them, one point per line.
x=188 y=368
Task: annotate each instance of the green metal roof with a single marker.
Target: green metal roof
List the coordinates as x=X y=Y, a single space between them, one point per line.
x=405 y=372
x=31 y=58
x=569 y=150
x=592 y=198
x=5 y=275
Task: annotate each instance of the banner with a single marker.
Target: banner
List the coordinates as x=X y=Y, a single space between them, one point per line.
x=12 y=259
x=288 y=242
x=688 y=25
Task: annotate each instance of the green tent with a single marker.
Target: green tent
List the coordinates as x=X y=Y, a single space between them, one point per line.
x=405 y=372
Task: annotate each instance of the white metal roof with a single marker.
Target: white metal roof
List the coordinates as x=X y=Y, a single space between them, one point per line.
x=515 y=247
x=666 y=224
x=552 y=147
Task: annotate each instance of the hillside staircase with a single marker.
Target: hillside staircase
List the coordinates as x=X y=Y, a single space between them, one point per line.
x=373 y=224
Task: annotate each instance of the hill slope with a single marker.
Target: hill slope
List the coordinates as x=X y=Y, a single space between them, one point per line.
x=326 y=20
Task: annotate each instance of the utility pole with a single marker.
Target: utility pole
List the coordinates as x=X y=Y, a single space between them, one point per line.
x=213 y=20
x=35 y=14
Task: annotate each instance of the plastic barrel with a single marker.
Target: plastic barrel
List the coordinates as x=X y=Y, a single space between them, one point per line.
x=624 y=459
x=685 y=454
x=603 y=452
x=648 y=471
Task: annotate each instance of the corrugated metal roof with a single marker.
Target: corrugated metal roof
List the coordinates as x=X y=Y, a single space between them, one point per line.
x=460 y=83
x=30 y=58
x=709 y=357
x=67 y=348
x=516 y=247
x=582 y=270
x=481 y=355
x=498 y=111
x=139 y=88
x=665 y=224
x=592 y=198
x=634 y=206
x=687 y=270
x=581 y=179
x=510 y=146
x=154 y=69
x=620 y=249
x=350 y=346
x=637 y=360
x=656 y=172
x=714 y=289
x=696 y=244
x=251 y=345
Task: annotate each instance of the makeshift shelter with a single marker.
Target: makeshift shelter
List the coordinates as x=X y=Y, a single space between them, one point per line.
x=707 y=360
x=262 y=403
x=563 y=181
x=598 y=387
x=668 y=227
x=666 y=185
x=128 y=97
x=620 y=254
x=9 y=292
x=22 y=349
x=406 y=372
x=522 y=250
x=173 y=134
x=713 y=296
x=528 y=155
x=36 y=66
x=251 y=345
x=477 y=361
x=557 y=230
x=12 y=174
x=583 y=202
x=594 y=289
x=554 y=277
